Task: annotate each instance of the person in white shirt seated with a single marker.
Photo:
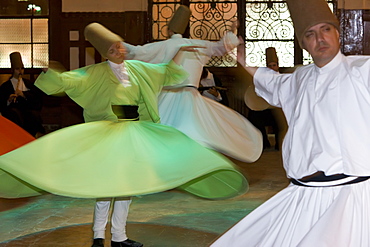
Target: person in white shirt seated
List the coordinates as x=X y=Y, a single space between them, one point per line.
x=210 y=86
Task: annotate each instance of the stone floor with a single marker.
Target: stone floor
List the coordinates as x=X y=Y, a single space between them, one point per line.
x=171 y=218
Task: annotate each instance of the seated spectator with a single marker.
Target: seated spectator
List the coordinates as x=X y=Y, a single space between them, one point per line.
x=210 y=86
x=20 y=100
x=266 y=118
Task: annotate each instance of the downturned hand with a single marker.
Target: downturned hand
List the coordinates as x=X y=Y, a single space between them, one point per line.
x=12 y=98
x=213 y=91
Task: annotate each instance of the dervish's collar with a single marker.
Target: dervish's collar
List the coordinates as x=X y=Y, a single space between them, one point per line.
x=176 y=36
x=116 y=65
x=332 y=64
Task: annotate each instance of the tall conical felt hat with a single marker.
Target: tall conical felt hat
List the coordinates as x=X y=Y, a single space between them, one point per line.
x=308 y=13
x=100 y=37
x=56 y=66
x=16 y=60
x=180 y=19
x=271 y=55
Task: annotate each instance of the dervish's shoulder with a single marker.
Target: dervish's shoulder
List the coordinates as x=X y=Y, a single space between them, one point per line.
x=137 y=64
x=357 y=61
x=303 y=69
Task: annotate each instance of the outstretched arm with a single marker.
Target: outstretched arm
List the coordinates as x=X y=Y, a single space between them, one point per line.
x=185 y=48
x=241 y=59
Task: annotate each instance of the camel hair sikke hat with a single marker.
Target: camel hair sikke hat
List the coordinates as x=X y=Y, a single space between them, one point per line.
x=100 y=37
x=271 y=55
x=180 y=20
x=308 y=13
x=16 y=60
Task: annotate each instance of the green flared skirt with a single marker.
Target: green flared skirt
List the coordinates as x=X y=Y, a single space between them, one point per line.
x=114 y=159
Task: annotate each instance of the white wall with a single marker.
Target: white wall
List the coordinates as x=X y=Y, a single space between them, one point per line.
x=104 y=5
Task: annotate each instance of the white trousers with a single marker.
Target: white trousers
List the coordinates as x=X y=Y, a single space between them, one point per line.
x=118 y=218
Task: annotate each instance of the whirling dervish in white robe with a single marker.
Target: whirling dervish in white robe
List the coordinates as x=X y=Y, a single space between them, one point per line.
x=184 y=108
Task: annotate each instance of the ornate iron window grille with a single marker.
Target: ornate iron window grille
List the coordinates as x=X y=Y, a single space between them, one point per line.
x=210 y=20
x=161 y=13
x=267 y=23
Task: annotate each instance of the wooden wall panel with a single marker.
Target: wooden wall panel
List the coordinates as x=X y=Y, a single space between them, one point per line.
x=352 y=31
x=366 y=19
x=136 y=27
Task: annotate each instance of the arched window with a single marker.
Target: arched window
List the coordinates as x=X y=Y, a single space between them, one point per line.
x=209 y=21
x=266 y=23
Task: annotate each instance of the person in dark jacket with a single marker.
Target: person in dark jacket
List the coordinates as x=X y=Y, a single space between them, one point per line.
x=20 y=99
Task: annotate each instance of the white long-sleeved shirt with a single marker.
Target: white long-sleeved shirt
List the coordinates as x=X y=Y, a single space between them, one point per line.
x=120 y=72
x=327 y=110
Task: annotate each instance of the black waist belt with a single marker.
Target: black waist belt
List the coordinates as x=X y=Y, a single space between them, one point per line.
x=321 y=180
x=129 y=112
x=191 y=86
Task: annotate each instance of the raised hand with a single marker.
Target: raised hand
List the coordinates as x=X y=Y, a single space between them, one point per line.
x=241 y=60
x=234 y=26
x=241 y=52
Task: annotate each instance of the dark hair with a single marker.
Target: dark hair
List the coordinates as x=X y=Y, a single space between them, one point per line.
x=204 y=73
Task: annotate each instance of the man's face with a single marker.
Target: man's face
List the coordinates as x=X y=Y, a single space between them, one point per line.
x=273 y=66
x=116 y=53
x=18 y=71
x=322 y=42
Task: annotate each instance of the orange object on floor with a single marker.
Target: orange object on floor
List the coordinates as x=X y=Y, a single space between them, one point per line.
x=12 y=136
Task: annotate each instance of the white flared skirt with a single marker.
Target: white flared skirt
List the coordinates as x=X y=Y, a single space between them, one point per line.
x=210 y=123
x=306 y=217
